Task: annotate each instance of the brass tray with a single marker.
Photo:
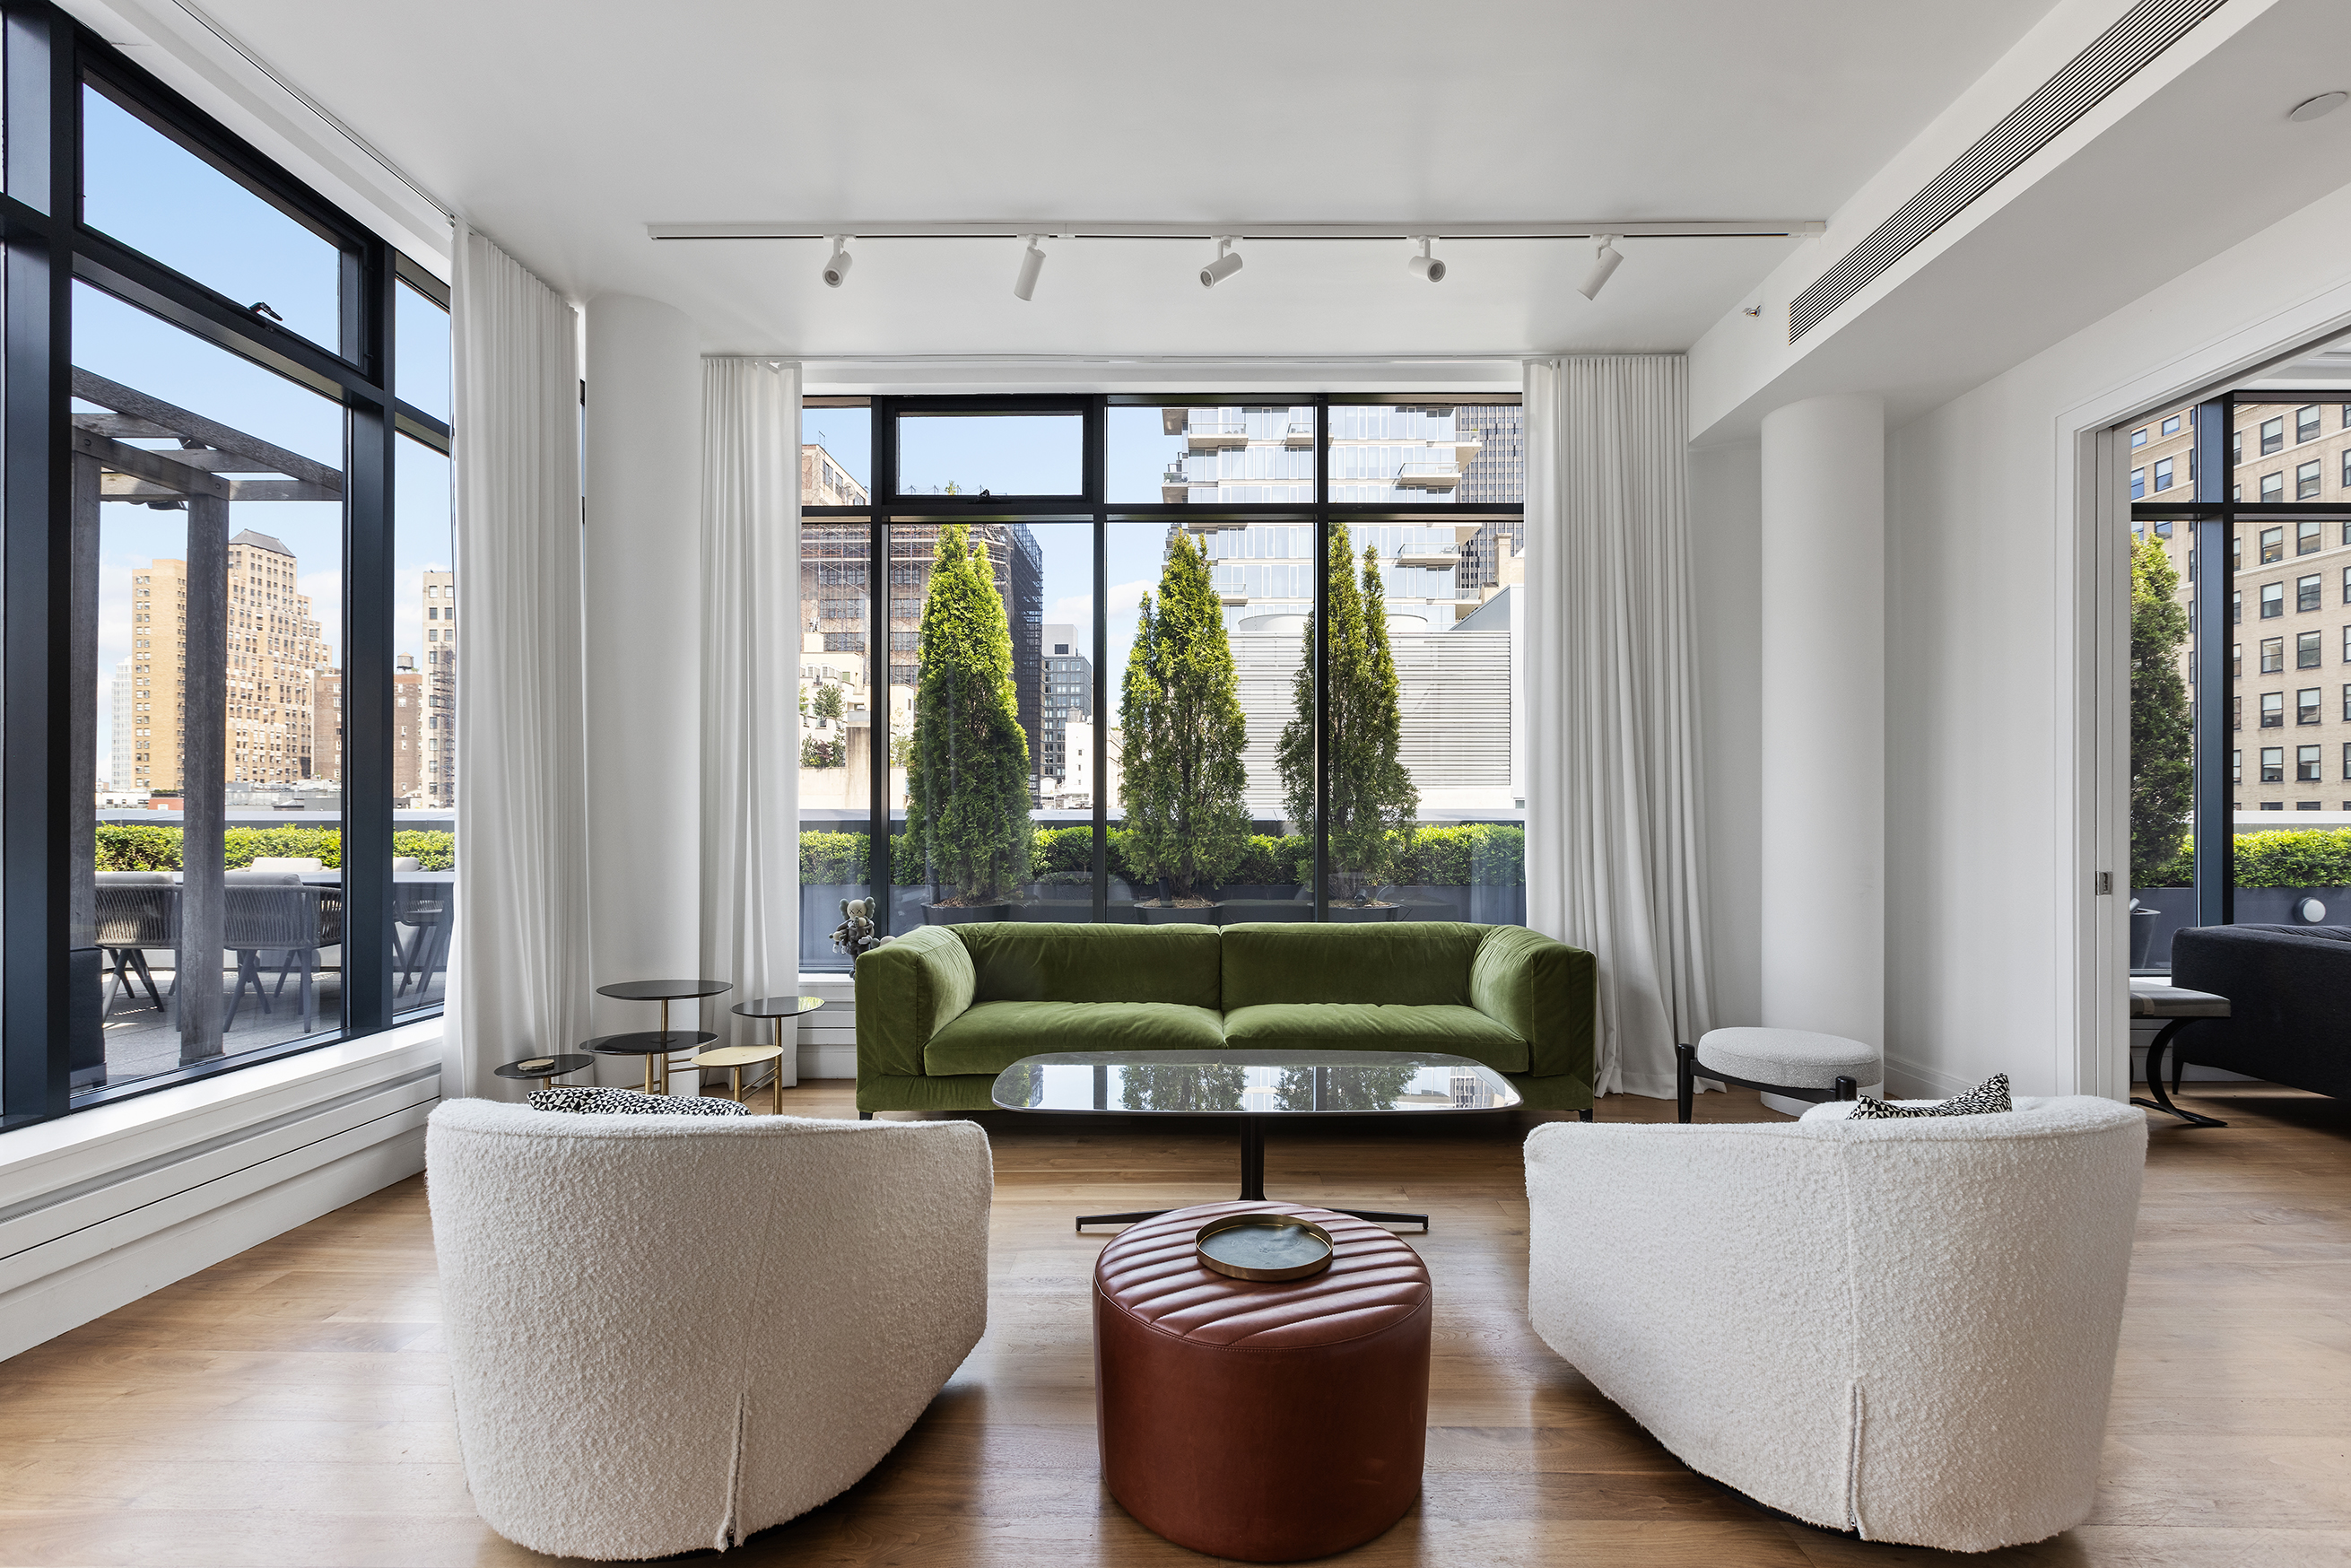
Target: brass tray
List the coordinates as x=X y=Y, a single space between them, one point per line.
x=534 y=1065
x=1263 y=1245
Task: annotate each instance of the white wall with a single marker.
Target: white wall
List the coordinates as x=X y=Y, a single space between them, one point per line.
x=1726 y=520
x=1999 y=955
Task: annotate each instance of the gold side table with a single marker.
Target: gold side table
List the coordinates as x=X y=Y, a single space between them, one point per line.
x=778 y=1008
x=735 y=1058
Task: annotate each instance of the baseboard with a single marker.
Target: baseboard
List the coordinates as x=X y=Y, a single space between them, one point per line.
x=827 y=1061
x=1907 y=1080
x=72 y=1296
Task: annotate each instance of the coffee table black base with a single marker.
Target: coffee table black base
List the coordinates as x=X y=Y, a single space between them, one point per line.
x=1253 y=1189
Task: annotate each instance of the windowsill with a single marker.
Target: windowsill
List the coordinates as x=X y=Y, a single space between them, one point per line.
x=46 y=1155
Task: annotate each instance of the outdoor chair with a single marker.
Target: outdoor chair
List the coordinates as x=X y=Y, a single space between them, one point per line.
x=272 y=912
x=136 y=910
x=423 y=907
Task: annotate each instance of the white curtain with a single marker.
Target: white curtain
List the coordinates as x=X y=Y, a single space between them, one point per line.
x=1615 y=843
x=519 y=969
x=750 y=690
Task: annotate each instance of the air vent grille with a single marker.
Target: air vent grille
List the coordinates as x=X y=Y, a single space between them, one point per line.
x=2112 y=59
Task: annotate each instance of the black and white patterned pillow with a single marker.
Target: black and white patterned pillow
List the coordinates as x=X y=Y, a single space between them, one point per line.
x=1988 y=1098
x=593 y=1102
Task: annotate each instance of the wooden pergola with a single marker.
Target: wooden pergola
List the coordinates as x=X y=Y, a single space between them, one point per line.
x=210 y=466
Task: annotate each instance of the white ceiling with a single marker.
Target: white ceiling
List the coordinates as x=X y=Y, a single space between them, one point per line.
x=563 y=130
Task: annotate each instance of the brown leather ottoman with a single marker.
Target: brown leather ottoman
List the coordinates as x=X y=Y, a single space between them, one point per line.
x=1268 y=1422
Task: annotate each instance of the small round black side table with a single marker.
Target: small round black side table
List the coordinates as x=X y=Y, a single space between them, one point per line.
x=657 y=1046
x=778 y=1008
x=546 y=1069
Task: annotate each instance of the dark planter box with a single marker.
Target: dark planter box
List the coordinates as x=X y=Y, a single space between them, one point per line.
x=1355 y=914
x=1163 y=915
x=2281 y=905
x=1260 y=892
x=964 y=914
x=1254 y=910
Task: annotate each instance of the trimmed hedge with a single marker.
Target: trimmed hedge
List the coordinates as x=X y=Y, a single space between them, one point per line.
x=2305 y=857
x=1482 y=855
x=153 y=846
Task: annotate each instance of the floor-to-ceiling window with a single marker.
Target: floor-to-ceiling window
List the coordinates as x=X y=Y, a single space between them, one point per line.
x=2240 y=689
x=230 y=674
x=1160 y=660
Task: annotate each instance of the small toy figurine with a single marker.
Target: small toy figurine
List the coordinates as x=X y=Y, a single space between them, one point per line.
x=854 y=934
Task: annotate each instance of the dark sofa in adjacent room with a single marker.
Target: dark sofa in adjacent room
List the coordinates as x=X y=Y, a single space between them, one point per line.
x=2289 y=990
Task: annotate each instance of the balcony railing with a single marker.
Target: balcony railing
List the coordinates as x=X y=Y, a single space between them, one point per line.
x=1215 y=437
x=1427 y=476
x=1299 y=438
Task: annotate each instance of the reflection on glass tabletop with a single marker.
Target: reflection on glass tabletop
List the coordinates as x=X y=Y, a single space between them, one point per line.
x=663 y=990
x=778 y=1007
x=1251 y=1082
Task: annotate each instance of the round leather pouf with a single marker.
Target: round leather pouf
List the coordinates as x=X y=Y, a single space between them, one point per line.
x=1268 y=1421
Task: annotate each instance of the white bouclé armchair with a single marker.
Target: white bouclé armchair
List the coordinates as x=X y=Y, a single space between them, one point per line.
x=667 y=1332
x=1904 y=1327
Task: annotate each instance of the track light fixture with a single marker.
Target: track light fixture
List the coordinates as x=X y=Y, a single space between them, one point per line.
x=1425 y=264
x=838 y=267
x=1604 y=262
x=1032 y=262
x=1224 y=266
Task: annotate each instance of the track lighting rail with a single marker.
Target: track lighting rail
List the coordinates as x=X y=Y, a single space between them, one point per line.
x=1414 y=230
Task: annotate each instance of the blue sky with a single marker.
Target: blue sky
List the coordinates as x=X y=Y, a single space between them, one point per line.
x=149 y=192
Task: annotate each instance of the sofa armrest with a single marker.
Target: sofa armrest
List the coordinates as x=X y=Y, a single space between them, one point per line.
x=1545 y=991
x=907 y=990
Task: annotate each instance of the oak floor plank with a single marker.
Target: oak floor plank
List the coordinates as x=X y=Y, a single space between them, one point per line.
x=291 y=1405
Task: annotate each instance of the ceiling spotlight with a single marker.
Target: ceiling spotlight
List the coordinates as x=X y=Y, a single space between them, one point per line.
x=1224 y=266
x=2312 y=108
x=1425 y=264
x=1604 y=262
x=1032 y=262
x=838 y=267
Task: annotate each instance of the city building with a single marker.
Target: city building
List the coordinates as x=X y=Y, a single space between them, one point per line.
x=120 y=730
x=437 y=768
x=274 y=649
x=158 y=636
x=1066 y=697
x=824 y=482
x=2289 y=637
x=327 y=725
x=408 y=713
x=1455 y=690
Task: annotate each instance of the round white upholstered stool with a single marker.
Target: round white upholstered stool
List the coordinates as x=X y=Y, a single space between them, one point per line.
x=1792 y=1067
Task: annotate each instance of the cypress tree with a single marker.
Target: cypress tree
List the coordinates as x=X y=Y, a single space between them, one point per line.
x=2163 y=742
x=967 y=779
x=1373 y=798
x=1180 y=711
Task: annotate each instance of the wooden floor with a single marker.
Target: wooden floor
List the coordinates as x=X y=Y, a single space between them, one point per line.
x=291 y=1405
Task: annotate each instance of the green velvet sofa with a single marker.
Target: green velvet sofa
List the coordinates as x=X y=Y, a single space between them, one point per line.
x=942 y=1010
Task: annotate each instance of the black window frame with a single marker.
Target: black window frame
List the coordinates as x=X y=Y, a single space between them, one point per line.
x=48 y=990
x=886 y=505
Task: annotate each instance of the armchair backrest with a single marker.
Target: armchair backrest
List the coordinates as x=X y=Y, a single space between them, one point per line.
x=637 y=1389
x=1908 y=1325
x=2289 y=990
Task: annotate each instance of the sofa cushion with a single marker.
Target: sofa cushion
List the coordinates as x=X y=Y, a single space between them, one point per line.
x=1412 y=963
x=1368 y=1026
x=991 y=1036
x=1045 y=961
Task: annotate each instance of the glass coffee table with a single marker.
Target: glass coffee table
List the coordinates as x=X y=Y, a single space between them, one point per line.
x=1256 y=1087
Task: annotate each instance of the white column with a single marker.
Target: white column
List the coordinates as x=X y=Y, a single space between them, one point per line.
x=1823 y=718
x=643 y=656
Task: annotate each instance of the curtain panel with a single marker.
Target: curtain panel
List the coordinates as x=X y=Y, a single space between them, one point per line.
x=750 y=690
x=1615 y=835
x=519 y=956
